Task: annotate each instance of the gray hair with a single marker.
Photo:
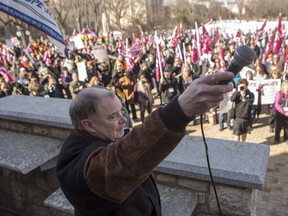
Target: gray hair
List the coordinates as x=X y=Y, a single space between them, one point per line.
x=86 y=104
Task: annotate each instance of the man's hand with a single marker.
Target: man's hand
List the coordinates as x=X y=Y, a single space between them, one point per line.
x=204 y=93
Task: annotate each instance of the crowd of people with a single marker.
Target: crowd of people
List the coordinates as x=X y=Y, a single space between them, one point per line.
x=159 y=70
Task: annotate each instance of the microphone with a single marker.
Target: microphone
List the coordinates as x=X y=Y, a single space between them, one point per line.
x=243 y=56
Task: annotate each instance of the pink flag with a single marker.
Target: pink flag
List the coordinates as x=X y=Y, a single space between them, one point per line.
x=194 y=52
x=286 y=61
x=175 y=37
x=6 y=53
x=1 y=59
x=130 y=63
x=216 y=37
x=259 y=32
x=237 y=38
x=210 y=21
x=92 y=33
x=205 y=40
x=222 y=58
x=161 y=40
x=269 y=45
x=278 y=37
x=143 y=36
x=6 y=75
x=121 y=46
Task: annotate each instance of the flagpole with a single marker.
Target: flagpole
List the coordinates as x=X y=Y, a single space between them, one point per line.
x=198 y=40
x=180 y=52
x=184 y=52
x=158 y=54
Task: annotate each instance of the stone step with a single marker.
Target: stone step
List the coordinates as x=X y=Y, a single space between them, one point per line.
x=25 y=152
x=174 y=201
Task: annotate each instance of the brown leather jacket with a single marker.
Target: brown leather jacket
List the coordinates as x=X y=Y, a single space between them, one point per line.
x=113 y=172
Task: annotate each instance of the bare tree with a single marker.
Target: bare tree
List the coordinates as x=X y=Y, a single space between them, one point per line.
x=116 y=10
x=138 y=10
x=240 y=5
x=78 y=7
x=269 y=9
x=95 y=6
x=182 y=12
x=6 y=21
x=60 y=13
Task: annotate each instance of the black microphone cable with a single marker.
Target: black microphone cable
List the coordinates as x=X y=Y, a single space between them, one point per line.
x=208 y=162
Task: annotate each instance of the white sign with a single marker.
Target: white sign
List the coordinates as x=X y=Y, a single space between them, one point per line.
x=269 y=88
x=100 y=53
x=9 y=43
x=15 y=41
x=118 y=34
x=82 y=72
x=78 y=42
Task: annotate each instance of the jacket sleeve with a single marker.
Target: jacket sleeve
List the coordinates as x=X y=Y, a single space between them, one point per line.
x=235 y=96
x=113 y=172
x=277 y=104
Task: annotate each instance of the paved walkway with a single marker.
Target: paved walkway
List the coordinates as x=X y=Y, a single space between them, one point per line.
x=273 y=199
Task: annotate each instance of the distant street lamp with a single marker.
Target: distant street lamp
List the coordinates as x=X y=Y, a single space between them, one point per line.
x=18 y=33
x=22 y=36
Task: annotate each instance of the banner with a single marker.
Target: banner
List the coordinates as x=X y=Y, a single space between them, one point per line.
x=82 y=72
x=78 y=41
x=36 y=14
x=9 y=43
x=15 y=41
x=269 y=88
x=100 y=53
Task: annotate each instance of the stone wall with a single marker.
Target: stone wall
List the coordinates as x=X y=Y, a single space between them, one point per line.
x=25 y=194
x=235 y=201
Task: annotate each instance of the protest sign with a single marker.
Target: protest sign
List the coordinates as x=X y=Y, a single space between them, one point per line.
x=100 y=53
x=9 y=43
x=270 y=88
x=268 y=91
x=78 y=42
x=15 y=41
x=82 y=72
x=118 y=34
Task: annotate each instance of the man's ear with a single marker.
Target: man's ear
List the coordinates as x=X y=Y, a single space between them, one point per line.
x=87 y=125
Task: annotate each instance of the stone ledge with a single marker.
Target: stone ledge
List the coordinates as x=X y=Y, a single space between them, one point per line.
x=26 y=152
x=58 y=201
x=36 y=110
x=174 y=201
x=233 y=163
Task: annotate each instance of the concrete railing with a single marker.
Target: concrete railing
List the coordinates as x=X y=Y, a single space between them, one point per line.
x=33 y=129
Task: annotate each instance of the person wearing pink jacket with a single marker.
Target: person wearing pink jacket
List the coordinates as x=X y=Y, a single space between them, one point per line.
x=281 y=116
